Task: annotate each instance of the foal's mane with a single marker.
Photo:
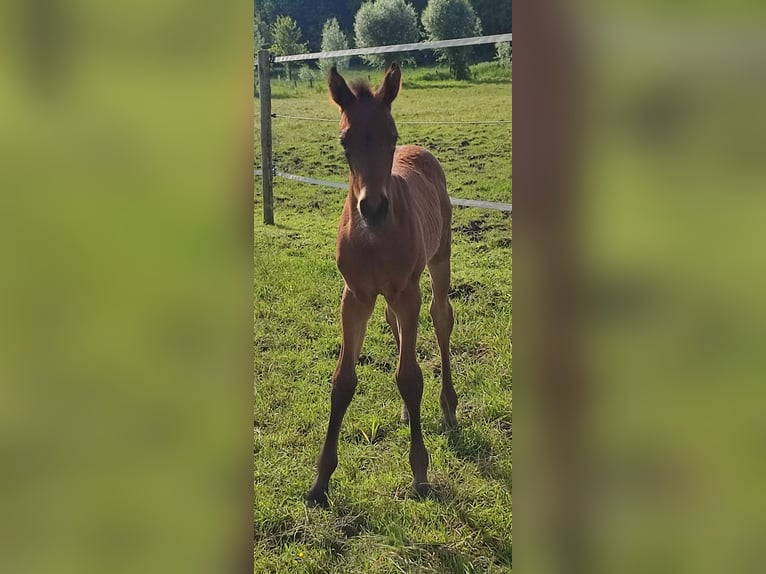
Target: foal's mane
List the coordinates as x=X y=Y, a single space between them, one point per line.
x=362 y=89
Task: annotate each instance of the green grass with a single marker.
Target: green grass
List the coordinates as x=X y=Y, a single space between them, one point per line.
x=413 y=78
x=372 y=525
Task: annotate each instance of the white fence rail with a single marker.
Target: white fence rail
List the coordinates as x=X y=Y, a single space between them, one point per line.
x=395 y=48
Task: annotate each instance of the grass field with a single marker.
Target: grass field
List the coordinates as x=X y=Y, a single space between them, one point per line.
x=372 y=525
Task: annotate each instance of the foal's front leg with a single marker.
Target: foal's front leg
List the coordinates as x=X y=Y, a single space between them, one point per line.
x=409 y=378
x=354 y=316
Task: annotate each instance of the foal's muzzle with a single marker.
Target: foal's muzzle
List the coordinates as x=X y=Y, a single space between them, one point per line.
x=374 y=214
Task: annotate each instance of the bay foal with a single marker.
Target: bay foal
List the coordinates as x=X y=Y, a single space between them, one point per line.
x=396 y=221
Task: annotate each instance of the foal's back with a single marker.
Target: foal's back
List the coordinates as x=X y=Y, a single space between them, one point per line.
x=423 y=188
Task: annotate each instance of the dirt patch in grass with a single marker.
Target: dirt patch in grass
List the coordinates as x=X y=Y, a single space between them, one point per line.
x=384 y=365
x=476 y=229
x=471 y=349
x=464 y=291
x=506 y=428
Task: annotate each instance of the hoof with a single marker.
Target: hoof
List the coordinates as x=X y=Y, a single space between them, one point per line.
x=316 y=499
x=405 y=416
x=449 y=423
x=420 y=490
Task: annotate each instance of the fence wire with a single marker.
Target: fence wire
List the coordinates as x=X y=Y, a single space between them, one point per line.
x=401 y=122
x=454 y=200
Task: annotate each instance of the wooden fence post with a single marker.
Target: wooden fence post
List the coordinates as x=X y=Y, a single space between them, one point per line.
x=264 y=95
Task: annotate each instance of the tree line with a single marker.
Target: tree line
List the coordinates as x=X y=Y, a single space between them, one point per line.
x=295 y=26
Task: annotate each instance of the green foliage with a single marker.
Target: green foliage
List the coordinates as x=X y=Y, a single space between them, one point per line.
x=261 y=32
x=496 y=15
x=287 y=37
x=382 y=23
x=333 y=38
x=504 y=54
x=311 y=15
x=448 y=19
x=287 y=40
x=491 y=73
x=307 y=75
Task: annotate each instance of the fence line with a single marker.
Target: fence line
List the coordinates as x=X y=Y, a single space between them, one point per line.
x=302 y=179
x=263 y=66
x=335 y=121
x=456 y=43
x=454 y=200
x=404 y=122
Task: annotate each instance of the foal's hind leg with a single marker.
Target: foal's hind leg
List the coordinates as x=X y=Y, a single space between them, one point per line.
x=394 y=324
x=441 y=314
x=354 y=316
x=409 y=378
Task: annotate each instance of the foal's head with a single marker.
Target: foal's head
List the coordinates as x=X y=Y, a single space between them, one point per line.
x=368 y=136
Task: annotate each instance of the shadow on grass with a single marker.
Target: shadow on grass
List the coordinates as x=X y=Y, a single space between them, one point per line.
x=329 y=529
x=349 y=522
x=501 y=548
x=469 y=444
x=345 y=520
x=439 y=558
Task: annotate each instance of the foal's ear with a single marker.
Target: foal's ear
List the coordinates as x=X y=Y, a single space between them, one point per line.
x=390 y=87
x=339 y=90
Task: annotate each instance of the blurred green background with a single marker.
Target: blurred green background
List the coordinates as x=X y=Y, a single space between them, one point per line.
x=125 y=286
x=670 y=174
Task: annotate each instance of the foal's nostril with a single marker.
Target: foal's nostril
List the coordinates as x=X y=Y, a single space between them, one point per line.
x=383 y=208
x=374 y=214
x=364 y=207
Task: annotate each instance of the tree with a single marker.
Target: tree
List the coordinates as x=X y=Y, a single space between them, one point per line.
x=496 y=15
x=311 y=15
x=504 y=54
x=448 y=19
x=382 y=23
x=261 y=38
x=287 y=40
x=307 y=75
x=261 y=32
x=333 y=38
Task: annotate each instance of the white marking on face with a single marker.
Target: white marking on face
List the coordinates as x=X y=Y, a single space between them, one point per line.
x=362 y=195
